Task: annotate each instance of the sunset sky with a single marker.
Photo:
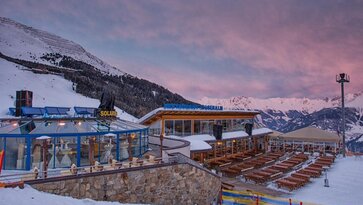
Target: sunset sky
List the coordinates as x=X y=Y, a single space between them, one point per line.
x=272 y=48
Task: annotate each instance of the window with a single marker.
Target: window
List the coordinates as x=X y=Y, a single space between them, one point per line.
x=178 y=127
x=187 y=128
x=197 y=129
x=169 y=127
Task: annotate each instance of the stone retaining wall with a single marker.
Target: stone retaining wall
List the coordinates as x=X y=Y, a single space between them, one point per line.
x=174 y=184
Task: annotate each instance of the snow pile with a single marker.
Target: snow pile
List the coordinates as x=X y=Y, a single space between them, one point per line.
x=48 y=90
x=345 y=180
x=30 y=196
x=23 y=42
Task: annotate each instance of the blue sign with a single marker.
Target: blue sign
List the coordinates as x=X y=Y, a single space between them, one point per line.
x=192 y=107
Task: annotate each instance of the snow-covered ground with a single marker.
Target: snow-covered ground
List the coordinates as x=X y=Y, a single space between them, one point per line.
x=30 y=196
x=48 y=90
x=346 y=185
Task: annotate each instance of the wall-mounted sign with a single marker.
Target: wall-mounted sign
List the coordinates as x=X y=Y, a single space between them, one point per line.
x=108 y=113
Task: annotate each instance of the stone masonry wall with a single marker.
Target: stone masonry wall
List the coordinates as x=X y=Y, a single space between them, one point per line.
x=176 y=184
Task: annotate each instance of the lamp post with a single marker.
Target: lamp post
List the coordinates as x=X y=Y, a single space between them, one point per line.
x=343 y=78
x=45 y=152
x=326 y=181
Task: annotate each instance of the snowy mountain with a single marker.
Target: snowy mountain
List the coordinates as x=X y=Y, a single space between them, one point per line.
x=27 y=43
x=288 y=114
x=44 y=53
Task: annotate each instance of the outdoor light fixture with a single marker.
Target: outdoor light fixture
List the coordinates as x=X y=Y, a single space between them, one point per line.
x=15 y=124
x=133 y=135
x=343 y=78
x=61 y=123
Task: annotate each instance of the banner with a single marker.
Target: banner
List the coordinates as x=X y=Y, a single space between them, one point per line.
x=254 y=198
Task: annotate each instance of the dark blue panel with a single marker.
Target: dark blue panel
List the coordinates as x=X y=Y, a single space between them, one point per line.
x=57 y=110
x=30 y=111
x=84 y=110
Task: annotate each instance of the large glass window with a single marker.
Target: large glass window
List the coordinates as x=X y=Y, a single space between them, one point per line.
x=89 y=150
x=144 y=140
x=197 y=129
x=15 y=154
x=178 y=127
x=63 y=152
x=107 y=148
x=135 y=145
x=123 y=152
x=169 y=127
x=207 y=126
x=238 y=124
x=187 y=128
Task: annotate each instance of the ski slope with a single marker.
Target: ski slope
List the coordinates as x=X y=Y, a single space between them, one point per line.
x=48 y=90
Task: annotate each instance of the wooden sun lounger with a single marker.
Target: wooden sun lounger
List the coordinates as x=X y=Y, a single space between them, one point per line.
x=311 y=173
x=231 y=171
x=271 y=170
x=280 y=167
x=325 y=160
x=323 y=164
x=299 y=181
x=316 y=166
x=302 y=176
x=319 y=169
x=256 y=178
x=288 y=184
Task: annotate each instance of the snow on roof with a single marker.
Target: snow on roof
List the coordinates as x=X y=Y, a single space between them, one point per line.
x=154 y=112
x=261 y=131
x=311 y=134
x=199 y=145
x=345 y=181
x=199 y=142
x=31 y=196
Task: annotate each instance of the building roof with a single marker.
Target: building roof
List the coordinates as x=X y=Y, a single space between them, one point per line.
x=157 y=113
x=311 y=134
x=57 y=126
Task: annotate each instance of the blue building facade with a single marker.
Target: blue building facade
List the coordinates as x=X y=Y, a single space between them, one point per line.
x=79 y=141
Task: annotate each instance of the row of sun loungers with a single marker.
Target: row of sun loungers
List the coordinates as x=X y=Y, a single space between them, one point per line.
x=302 y=177
x=258 y=162
x=275 y=171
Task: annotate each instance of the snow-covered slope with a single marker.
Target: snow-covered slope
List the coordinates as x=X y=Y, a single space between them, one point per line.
x=26 y=43
x=48 y=90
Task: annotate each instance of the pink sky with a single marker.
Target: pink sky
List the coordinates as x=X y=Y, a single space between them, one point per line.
x=277 y=48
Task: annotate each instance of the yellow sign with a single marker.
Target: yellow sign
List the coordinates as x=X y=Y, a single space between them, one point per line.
x=108 y=113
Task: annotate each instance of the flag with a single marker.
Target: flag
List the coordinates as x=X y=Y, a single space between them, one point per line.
x=2 y=154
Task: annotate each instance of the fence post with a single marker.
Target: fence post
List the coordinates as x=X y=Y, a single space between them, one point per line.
x=257 y=200
x=290 y=201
